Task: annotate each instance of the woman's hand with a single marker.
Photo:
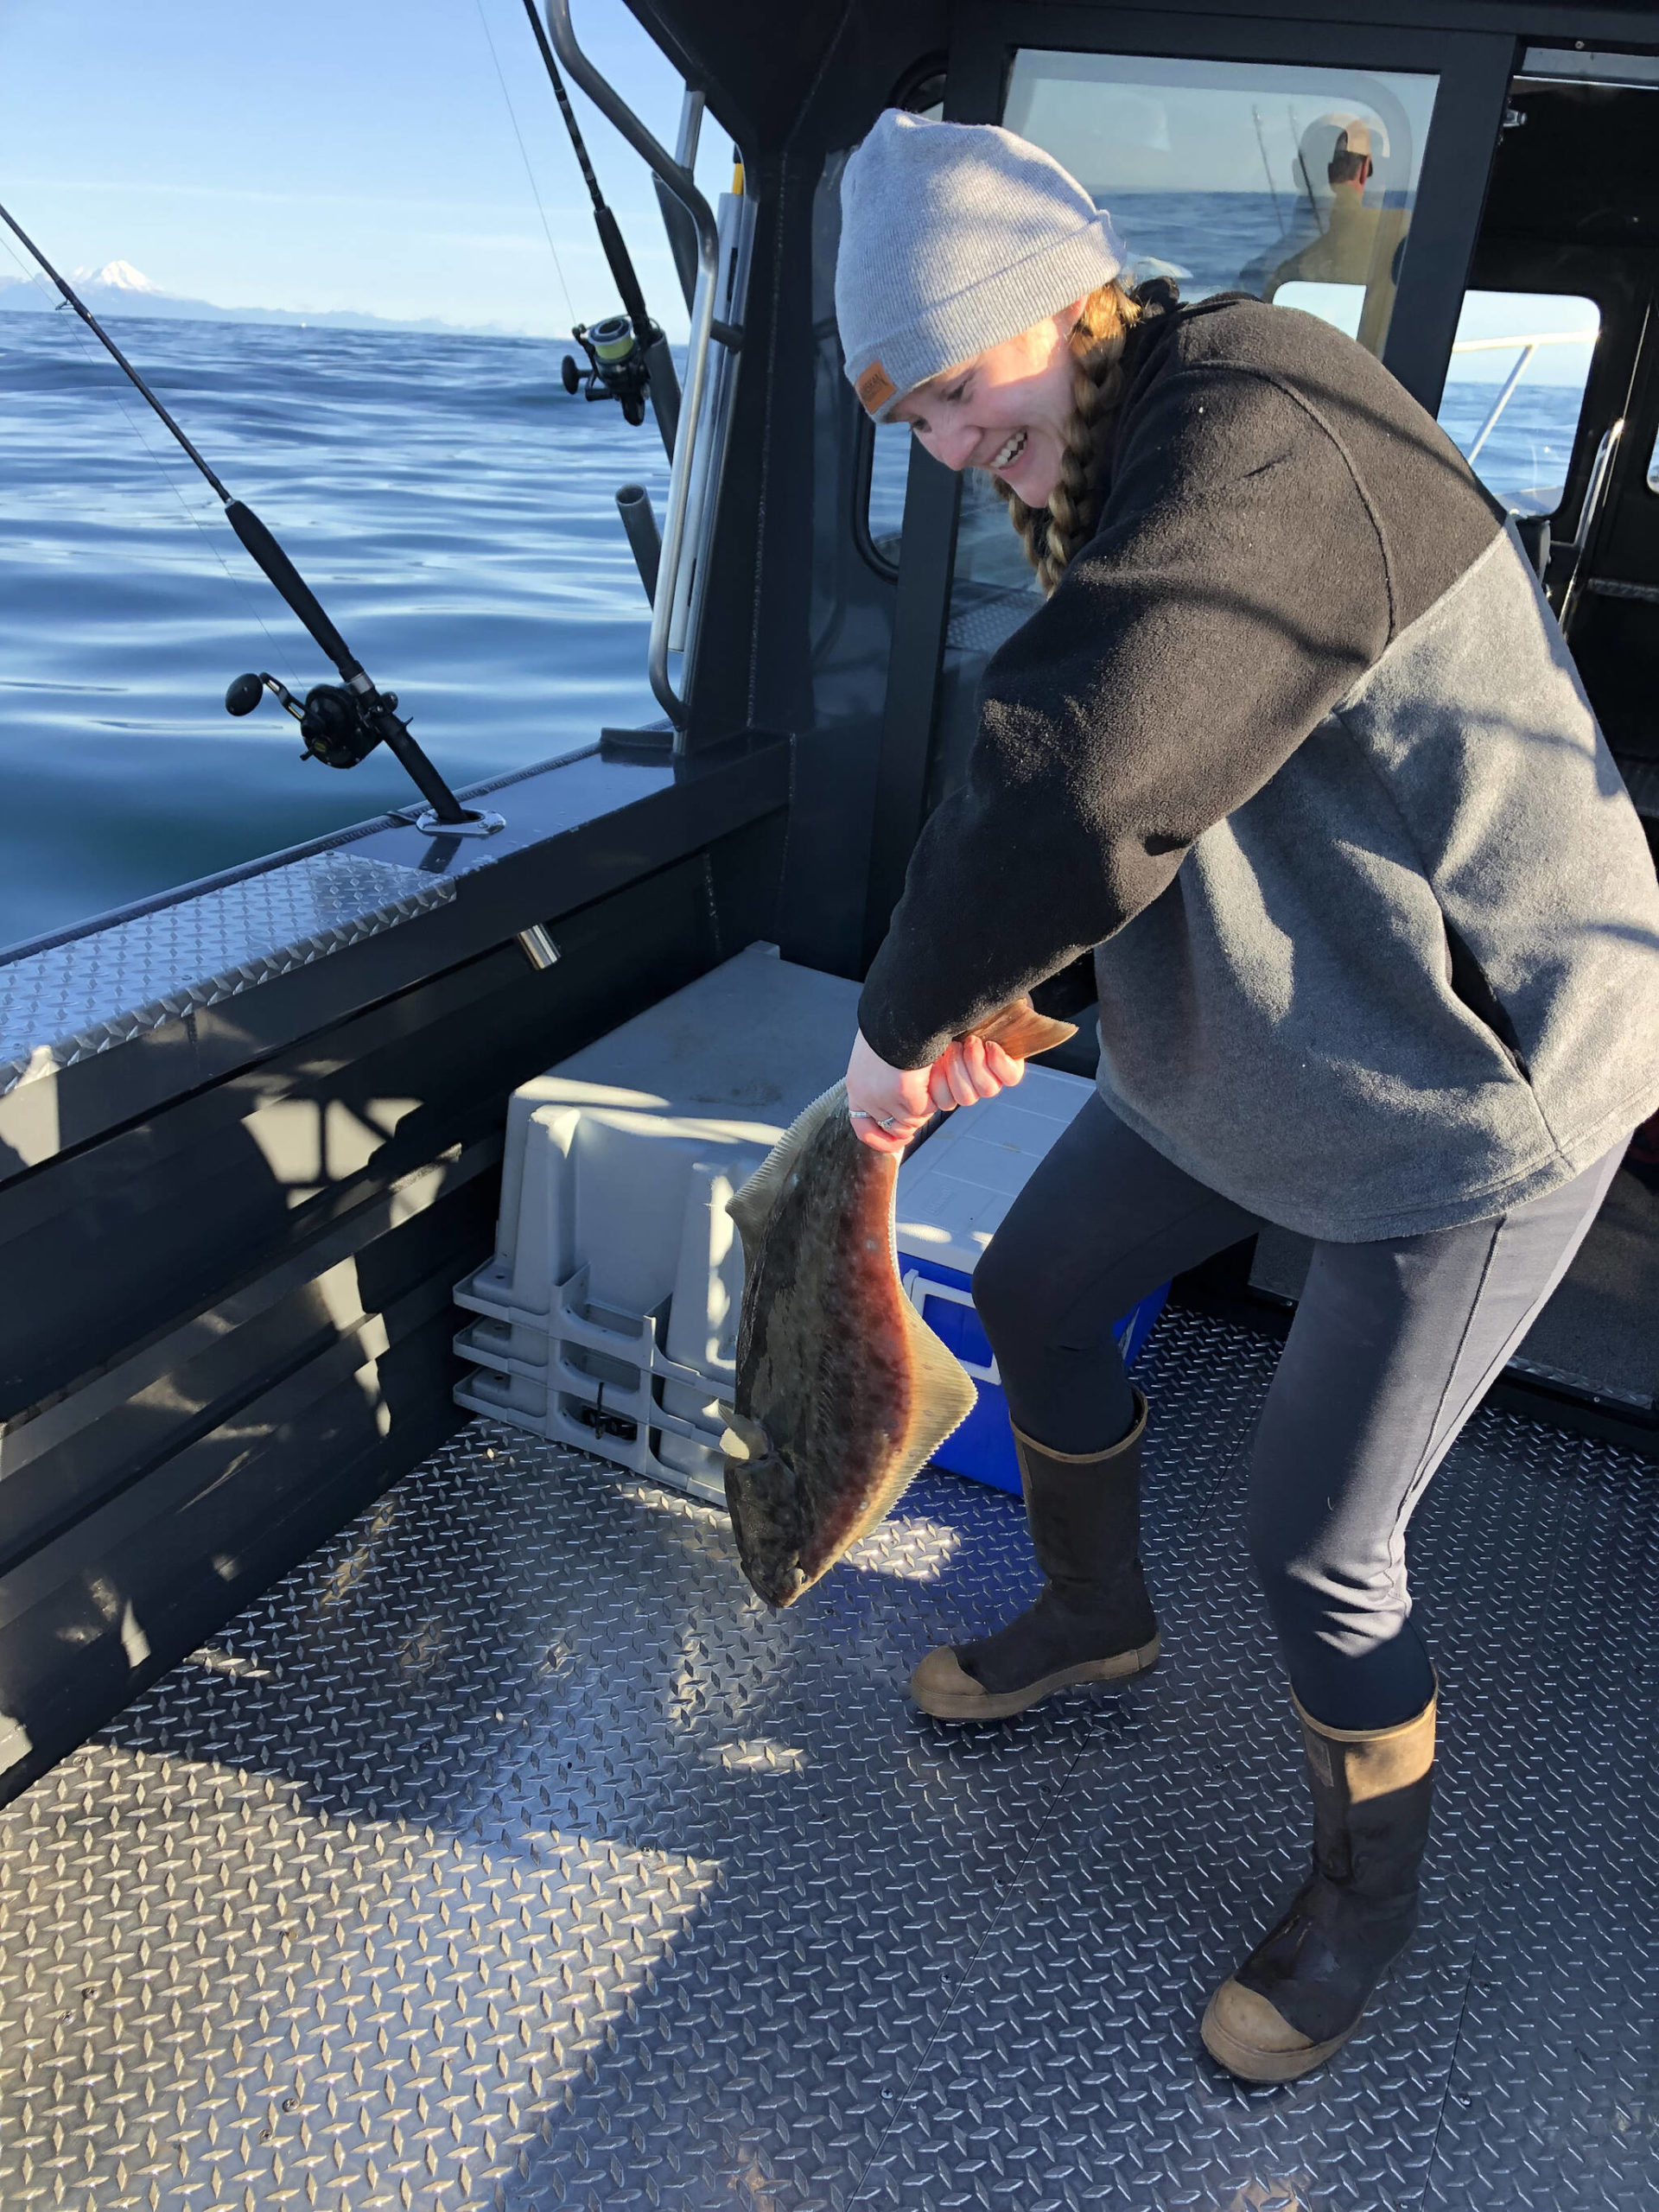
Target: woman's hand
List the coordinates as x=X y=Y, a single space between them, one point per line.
x=890 y=1105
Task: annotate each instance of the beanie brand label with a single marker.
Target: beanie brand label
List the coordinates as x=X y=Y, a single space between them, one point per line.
x=875 y=387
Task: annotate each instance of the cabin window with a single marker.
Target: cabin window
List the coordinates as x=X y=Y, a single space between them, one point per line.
x=1515 y=390
x=1242 y=177
x=889 y=474
x=1293 y=182
x=1296 y=183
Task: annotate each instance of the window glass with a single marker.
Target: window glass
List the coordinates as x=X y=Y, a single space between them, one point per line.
x=1653 y=467
x=889 y=472
x=1297 y=183
x=1239 y=175
x=1515 y=390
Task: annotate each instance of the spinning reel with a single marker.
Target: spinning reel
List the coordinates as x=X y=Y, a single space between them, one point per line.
x=616 y=365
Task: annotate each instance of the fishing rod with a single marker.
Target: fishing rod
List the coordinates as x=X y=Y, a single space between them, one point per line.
x=627 y=354
x=1267 y=168
x=341 y=723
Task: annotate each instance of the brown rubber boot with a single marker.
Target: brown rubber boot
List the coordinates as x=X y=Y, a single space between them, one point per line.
x=1299 y=1996
x=1093 y=1621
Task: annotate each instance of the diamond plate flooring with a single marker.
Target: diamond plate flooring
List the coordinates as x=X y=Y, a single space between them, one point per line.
x=508 y=1854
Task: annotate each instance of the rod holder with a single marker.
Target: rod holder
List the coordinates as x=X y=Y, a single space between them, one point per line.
x=633 y=505
x=663 y=384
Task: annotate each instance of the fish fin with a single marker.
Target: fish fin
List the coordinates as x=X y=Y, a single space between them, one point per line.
x=945 y=1396
x=751 y=1207
x=1021 y=1031
x=743 y=1438
x=942 y=1400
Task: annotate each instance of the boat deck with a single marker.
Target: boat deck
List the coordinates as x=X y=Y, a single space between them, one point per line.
x=508 y=1854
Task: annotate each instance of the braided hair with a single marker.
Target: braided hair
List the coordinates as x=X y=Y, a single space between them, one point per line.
x=1054 y=535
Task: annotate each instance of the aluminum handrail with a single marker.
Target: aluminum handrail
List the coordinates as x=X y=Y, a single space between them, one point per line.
x=1601 y=470
x=1532 y=338
x=1529 y=341
x=1503 y=400
x=681 y=182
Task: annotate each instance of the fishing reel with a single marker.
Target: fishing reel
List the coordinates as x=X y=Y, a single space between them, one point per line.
x=342 y=723
x=616 y=365
x=338 y=726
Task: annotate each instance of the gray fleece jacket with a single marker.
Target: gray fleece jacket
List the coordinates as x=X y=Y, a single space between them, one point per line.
x=1297 y=747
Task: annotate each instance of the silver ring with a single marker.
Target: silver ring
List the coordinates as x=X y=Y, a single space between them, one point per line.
x=881 y=1121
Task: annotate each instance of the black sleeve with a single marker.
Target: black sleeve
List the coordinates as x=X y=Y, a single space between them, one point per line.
x=1235 y=590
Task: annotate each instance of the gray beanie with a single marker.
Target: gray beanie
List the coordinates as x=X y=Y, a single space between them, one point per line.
x=955 y=236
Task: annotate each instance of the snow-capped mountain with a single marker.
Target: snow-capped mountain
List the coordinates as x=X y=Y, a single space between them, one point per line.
x=118 y=289
x=115 y=276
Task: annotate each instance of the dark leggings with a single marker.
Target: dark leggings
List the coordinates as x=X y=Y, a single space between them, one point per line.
x=1392 y=1346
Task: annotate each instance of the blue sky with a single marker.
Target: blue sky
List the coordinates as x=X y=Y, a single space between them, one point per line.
x=360 y=154
x=327 y=154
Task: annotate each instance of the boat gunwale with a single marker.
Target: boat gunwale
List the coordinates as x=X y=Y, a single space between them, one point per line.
x=611 y=821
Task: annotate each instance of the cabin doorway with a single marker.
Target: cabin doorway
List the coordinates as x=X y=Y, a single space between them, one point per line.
x=1572 y=214
x=1552 y=392
x=1504 y=264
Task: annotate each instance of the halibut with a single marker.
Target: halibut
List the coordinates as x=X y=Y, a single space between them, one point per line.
x=842 y=1391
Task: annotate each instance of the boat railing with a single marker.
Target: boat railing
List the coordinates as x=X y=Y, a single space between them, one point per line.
x=688 y=478
x=1601 y=470
x=1529 y=343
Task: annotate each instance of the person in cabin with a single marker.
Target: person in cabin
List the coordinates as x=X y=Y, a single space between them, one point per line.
x=1333 y=168
x=1294 y=745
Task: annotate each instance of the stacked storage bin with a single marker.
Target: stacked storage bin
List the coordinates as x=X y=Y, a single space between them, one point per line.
x=953 y=1193
x=607 y=1315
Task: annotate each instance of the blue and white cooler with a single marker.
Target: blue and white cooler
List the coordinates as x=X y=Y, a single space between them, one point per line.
x=953 y=1193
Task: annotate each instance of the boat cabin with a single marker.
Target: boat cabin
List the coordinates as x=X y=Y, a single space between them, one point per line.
x=405 y=1808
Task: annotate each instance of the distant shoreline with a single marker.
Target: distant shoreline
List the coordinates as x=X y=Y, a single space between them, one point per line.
x=33 y=307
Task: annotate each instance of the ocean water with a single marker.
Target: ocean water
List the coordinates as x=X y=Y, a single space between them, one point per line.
x=452 y=507
x=1524 y=462
x=449 y=503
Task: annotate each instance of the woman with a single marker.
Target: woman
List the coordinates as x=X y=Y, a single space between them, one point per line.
x=1294 y=744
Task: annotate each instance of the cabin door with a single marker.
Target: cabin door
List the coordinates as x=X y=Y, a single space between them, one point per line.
x=1571 y=236
x=1339 y=168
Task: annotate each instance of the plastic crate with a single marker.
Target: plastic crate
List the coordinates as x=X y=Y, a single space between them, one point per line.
x=607 y=1317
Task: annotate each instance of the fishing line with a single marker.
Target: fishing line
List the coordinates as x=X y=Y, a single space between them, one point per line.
x=280 y=650
x=523 y=152
x=141 y=432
